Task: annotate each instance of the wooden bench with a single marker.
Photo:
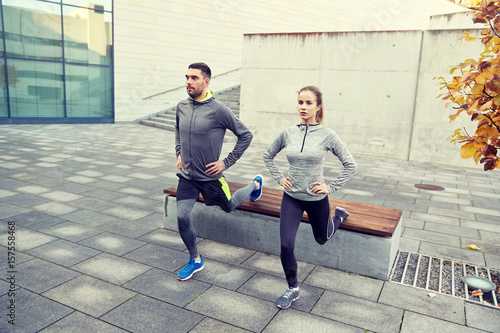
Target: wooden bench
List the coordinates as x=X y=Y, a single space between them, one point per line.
x=366 y=242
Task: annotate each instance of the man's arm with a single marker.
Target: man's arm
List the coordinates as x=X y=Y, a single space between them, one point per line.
x=177 y=134
x=229 y=120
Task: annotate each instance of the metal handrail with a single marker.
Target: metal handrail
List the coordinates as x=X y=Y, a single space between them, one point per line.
x=184 y=86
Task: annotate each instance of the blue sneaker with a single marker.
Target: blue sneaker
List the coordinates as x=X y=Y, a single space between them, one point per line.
x=256 y=194
x=191 y=268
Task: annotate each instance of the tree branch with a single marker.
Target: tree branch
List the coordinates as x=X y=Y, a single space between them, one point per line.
x=494 y=124
x=492 y=27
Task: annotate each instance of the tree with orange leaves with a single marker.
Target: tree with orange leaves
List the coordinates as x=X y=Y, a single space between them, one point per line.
x=476 y=91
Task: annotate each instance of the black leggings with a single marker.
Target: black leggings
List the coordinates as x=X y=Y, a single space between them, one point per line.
x=291 y=214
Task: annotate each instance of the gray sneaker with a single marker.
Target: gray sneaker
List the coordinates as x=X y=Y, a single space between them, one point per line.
x=290 y=295
x=334 y=223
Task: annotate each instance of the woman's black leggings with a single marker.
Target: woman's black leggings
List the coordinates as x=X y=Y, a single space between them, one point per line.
x=291 y=214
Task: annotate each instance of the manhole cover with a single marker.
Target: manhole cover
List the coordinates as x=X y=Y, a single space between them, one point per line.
x=444 y=276
x=429 y=187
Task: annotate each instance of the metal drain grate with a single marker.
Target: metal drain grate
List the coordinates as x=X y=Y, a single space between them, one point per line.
x=443 y=276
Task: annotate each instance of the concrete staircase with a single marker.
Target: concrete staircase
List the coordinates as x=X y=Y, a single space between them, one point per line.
x=166 y=120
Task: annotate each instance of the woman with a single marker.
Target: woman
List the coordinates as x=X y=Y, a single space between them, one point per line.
x=305 y=188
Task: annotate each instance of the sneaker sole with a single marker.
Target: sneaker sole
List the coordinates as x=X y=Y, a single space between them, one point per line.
x=188 y=277
x=286 y=307
x=261 y=177
x=344 y=212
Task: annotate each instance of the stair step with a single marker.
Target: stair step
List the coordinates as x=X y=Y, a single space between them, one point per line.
x=166 y=120
x=170 y=116
x=163 y=120
x=158 y=125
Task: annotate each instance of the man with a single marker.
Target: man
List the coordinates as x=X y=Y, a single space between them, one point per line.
x=201 y=123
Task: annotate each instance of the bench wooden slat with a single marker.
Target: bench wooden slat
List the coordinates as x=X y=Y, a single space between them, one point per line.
x=371 y=219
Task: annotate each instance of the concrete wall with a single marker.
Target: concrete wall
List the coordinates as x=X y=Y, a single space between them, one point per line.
x=155 y=40
x=460 y=20
x=378 y=89
x=441 y=50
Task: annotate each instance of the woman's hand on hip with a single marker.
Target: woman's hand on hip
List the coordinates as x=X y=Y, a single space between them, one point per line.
x=287 y=183
x=319 y=188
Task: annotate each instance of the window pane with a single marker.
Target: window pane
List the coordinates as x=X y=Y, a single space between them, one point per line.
x=95 y=4
x=88 y=91
x=32 y=29
x=87 y=36
x=1 y=34
x=35 y=88
x=3 y=92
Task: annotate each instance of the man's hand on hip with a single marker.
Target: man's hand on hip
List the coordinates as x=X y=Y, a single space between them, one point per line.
x=215 y=168
x=179 y=164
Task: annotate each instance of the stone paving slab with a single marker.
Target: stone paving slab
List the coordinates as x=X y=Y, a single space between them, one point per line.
x=27 y=239
x=33 y=312
x=132 y=229
x=483 y=318
x=70 y=231
x=445 y=229
x=167 y=238
x=224 y=275
x=111 y=243
x=61 y=196
x=484 y=226
x=236 y=309
x=454 y=221
x=359 y=312
x=409 y=245
x=111 y=268
x=144 y=314
x=55 y=208
x=7 y=211
x=224 y=252
x=159 y=257
x=209 y=325
x=47 y=275
x=36 y=220
x=493 y=260
x=63 y=253
x=415 y=322
x=24 y=200
x=165 y=286
x=270 y=288
x=126 y=212
x=89 y=295
x=449 y=252
x=78 y=322
x=271 y=264
x=347 y=283
x=88 y=218
x=442 y=306
x=299 y=322
x=432 y=237
x=485 y=246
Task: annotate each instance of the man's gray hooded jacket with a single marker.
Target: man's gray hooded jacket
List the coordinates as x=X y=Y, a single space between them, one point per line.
x=199 y=134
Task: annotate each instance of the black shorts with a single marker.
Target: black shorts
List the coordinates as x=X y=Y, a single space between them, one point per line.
x=214 y=192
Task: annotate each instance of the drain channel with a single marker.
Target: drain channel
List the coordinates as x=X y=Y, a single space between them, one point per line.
x=443 y=276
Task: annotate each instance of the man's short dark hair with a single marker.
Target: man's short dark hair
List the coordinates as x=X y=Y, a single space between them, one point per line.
x=205 y=70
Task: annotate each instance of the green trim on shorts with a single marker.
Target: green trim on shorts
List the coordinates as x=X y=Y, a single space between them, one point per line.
x=225 y=188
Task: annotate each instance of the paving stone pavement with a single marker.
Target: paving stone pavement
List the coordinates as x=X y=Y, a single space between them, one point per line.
x=83 y=248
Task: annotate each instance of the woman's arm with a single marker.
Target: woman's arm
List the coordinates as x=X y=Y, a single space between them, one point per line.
x=337 y=147
x=269 y=155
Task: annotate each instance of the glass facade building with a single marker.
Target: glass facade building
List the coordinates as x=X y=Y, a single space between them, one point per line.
x=56 y=61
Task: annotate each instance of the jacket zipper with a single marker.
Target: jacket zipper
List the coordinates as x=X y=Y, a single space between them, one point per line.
x=190 y=127
x=304 y=140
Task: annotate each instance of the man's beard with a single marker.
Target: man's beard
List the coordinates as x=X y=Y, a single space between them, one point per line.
x=195 y=94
